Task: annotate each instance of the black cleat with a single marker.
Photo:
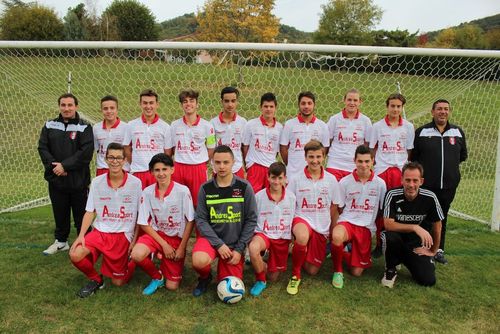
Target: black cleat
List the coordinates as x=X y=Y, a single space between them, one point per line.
x=202 y=285
x=439 y=257
x=90 y=288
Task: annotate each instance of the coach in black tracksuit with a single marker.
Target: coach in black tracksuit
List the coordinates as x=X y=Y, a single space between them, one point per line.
x=440 y=147
x=66 y=146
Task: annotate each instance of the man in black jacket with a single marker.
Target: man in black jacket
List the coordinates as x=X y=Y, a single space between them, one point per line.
x=66 y=146
x=440 y=147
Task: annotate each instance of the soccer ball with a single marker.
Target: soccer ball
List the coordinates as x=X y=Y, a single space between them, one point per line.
x=230 y=289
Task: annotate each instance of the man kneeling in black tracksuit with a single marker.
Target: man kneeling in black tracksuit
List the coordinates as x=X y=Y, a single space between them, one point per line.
x=412 y=219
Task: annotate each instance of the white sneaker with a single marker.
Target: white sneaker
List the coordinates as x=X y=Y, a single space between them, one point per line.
x=57 y=246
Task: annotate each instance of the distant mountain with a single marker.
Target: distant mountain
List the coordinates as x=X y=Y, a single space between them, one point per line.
x=183 y=27
x=486 y=23
x=179 y=26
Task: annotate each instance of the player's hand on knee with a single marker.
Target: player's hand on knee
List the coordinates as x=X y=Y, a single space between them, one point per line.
x=425 y=236
x=224 y=252
x=79 y=241
x=423 y=251
x=179 y=254
x=168 y=251
x=235 y=259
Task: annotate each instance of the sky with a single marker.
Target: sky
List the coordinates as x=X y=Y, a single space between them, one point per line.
x=412 y=15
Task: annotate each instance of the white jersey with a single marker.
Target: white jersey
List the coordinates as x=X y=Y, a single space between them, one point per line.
x=362 y=201
x=103 y=137
x=275 y=219
x=296 y=134
x=314 y=199
x=146 y=140
x=230 y=134
x=346 y=135
x=191 y=142
x=263 y=142
x=116 y=209
x=392 y=143
x=170 y=214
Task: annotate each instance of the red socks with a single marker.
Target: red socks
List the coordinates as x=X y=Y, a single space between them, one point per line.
x=86 y=266
x=149 y=268
x=337 y=254
x=299 y=254
x=261 y=276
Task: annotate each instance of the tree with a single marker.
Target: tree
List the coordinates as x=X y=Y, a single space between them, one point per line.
x=400 y=38
x=132 y=20
x=238 y=21
x=74 y=29
x=470 y=36
x=29 y=21
x=492 y=38
x=445 y=39
x=347 y=22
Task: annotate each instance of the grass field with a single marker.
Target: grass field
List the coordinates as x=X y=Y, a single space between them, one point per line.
x=29 y=87
x=38 y=294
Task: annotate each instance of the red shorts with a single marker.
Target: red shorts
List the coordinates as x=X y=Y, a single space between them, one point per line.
x=392 y=177
x=278 y=253
x=114 y=249
x=361 y=241
x=316 y=247
x=192 y=176
x=224 y=269
x=100 y=171
x=240 y=172
x=257 y=176
x=146 y=178
x=171 y=270
x=338 y=173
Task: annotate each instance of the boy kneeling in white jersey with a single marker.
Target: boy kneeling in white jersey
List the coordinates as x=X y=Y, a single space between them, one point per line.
x=113 y=201
x=166 y=216
x=363 y=194
x=275 y=212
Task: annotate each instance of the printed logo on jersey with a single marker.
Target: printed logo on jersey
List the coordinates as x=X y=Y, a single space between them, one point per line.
x=72 y=135
x=237 y=193
x=127 y=199
x=452 y=140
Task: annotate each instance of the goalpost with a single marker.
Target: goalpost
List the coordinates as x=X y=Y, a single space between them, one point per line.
x=33 y=74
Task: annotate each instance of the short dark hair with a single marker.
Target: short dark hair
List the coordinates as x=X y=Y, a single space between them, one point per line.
x=352 y=91
x=440 y=101
x=160 y=157
x=276 y=169
x=314 y=145
x=188 y=93
x=306 y=94
x=268 y=97
x=411 y=165
x=109 y=98
x=229 y=90
x=65 y=96
x=224 y=149
x=363 y=149
x=395 y=96
x=148 y=92
x=115 y=146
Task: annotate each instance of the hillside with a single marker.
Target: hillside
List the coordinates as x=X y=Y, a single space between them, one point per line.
x=486 y=23
x=186 y=25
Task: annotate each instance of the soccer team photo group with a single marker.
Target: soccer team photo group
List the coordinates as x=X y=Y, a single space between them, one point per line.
x=227 y=197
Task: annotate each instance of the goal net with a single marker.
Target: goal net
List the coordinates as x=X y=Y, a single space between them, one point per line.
x=34 y=74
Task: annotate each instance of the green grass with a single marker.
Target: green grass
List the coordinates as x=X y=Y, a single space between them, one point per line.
x=38 y=294
x=29 y=87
